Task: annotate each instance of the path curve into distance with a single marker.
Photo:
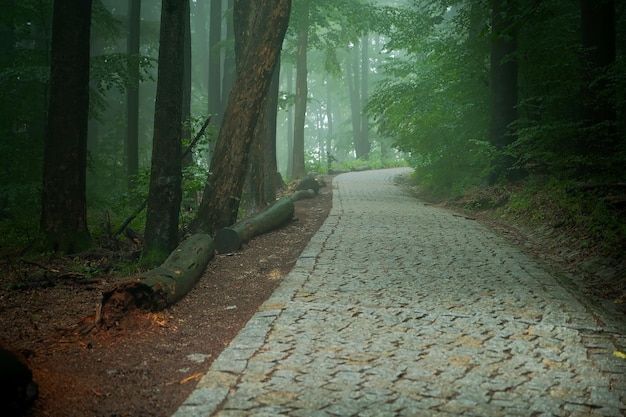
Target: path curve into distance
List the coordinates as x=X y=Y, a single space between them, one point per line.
x=397 y=308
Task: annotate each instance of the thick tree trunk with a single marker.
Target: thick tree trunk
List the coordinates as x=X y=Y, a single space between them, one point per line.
x=220 y=202
x=231 y=238
x=158 y=288
x=64 y=206
x=165 y=193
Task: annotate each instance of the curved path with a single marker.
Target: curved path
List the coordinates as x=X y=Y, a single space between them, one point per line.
x=400 y=309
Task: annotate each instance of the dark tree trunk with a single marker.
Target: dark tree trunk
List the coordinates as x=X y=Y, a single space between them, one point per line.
x=132 y=92
x=161 y=235
x=598 y=114
x=271 y=165
x=202 y=52
x=290 y=122
x=253 y=197
x=229 y=67
x=187 y=158
x=215 y=64
x=299 y=168
x=64 y=207
x=503 y=81
x=220 y=201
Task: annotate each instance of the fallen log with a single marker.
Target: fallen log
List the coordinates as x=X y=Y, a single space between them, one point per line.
x=302 y=194
x=230 y=239
x=160 y=287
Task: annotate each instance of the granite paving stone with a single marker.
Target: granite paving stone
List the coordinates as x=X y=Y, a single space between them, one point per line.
x=399 y=308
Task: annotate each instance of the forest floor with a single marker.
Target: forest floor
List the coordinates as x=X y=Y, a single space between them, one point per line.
x=151 y=364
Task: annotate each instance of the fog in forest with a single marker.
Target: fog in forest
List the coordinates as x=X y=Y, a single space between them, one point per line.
x=468 y=93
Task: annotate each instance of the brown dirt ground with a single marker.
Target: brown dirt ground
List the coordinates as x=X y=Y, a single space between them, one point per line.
x=149 y=367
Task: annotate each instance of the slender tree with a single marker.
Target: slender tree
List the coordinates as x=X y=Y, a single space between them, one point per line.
x=598 y=113
x=215 y=106
x=299 y=168
x=290 y=123
x=64 y=207
x=132 y=91
x=161 y=234
x=503 y=81
x=220 y=201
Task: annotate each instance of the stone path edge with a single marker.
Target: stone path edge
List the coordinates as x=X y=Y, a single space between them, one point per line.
x=224 y=373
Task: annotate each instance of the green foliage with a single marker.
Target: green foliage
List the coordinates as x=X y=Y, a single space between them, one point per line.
x=433 y=100
x=562 y=204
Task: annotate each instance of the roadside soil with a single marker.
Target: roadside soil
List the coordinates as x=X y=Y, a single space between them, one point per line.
x=151 y=364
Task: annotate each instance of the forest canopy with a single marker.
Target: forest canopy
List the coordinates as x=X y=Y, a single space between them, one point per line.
x=469 y=93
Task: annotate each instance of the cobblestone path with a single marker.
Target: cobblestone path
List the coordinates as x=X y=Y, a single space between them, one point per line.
x=401 y=309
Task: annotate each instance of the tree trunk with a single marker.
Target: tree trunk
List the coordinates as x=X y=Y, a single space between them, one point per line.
x=353 y=74
x=161 y=287
x=299 y=168
x=215 y=64
x=228 y=68
x=187 y=159
x=231 y=238
x=503 y=82
x=203 y=50
x=271 y=165
x=290 y=121
x=132 y=92
x=161 y=235
x=598 y=114
x=365 y=70
x=220 y=201
x=64 y=207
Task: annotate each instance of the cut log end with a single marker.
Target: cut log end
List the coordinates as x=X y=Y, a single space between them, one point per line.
x=227 y=241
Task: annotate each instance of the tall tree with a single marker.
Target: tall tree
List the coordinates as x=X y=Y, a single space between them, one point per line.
x=215 y=106
x=357 y=70
x=164 y=197
x=220 y=201
x=365 y=72
x=132 y=91
x=599 y=135
x=299 y=168
x=64 y=207
x=290 y=123
x=503 y=81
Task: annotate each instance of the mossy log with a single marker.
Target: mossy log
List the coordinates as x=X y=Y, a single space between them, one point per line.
x=230 y=239
x=302 y=194
x=160 y=287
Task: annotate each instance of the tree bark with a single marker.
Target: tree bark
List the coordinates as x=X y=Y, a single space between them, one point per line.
x=132 y=92
x=64 y=206
x=220 y=201
x=598 y=114
x=160 y=287
x=299 y=168
x=215 y=92
x=165 y=194
x=231 y=238
x=503 y=108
